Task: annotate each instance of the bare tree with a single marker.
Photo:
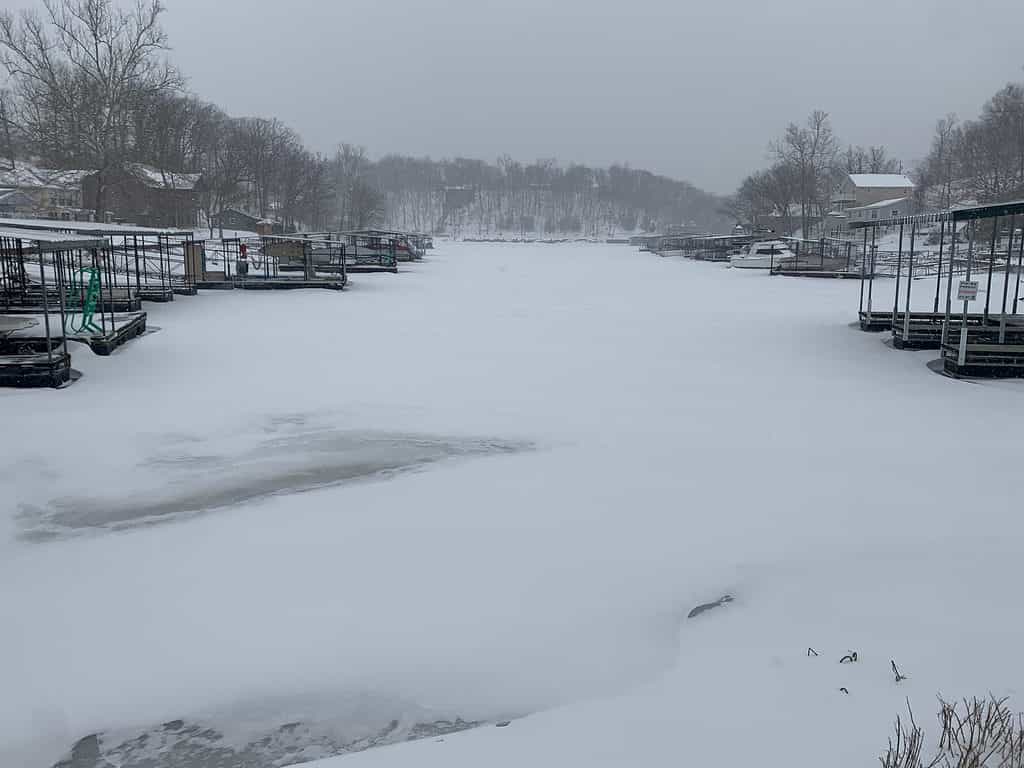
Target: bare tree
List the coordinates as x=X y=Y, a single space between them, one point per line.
x=265 y=144
x=365 y=205
x=938 y=171
x=7 y=148
x=348 y=166
x=810 y=150
x=79 y=71
x=317 y=192
x=905 y=745
x=975 y=733
x=879 y=161
x=224 y=170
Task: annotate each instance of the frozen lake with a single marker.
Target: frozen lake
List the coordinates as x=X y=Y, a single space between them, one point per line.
x=560 y=451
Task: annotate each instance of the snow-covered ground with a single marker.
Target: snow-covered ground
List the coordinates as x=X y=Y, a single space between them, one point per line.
x=568 y=448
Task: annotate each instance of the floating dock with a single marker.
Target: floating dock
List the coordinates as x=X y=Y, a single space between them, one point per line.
x=837 y=274
x=124 y=327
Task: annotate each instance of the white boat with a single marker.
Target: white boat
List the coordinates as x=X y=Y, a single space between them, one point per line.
x=763 y=255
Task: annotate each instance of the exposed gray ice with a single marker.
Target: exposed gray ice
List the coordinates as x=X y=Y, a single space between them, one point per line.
x=279 y=735
x=187 y=477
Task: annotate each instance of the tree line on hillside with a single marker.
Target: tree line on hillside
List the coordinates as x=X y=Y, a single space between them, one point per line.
x=90 y=88
x=475 y=197
x=979 y=161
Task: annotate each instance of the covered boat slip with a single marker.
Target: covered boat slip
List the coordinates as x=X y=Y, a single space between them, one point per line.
x=675 y=245
x=56 y=287
x=403 y=246
x=301 y=259
x=278 y=262
x=710 y=247
x=983 y=245
x=31 y=271
x=368 y=252
x=149 y=264
x=369 y=248
x=824 y=257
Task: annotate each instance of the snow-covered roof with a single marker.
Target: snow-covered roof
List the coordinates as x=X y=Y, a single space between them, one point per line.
x=154 y=177
x=84 y=227
x=881 y=180
x=70 y=178
x=14 y=197
x=47 y=240
x=880 y=204
x=26 y=175
x=230 y=209
x=22 y=175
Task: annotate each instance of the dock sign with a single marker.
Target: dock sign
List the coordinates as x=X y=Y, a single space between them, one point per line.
x=968 y=290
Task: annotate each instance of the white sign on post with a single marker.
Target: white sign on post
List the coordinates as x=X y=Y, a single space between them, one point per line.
x=968 y=290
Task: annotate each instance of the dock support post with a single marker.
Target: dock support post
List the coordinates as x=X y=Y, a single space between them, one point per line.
x=910 y=282
x=938 y=273
x=871 y=279
x=961 y=357
x=46 y=306
x=1020 y=266
x=899 y=270
x=991 y=263
x=863 y=268
x=949 y=289
x=135 y=250
x=1006 y=283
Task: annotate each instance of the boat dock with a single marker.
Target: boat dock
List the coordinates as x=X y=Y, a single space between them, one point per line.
x=972 y=245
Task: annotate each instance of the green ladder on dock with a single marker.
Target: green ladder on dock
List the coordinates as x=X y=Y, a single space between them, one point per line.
x=92 y=295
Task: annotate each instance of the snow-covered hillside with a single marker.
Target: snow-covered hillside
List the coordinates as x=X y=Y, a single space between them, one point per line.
x=491 y=488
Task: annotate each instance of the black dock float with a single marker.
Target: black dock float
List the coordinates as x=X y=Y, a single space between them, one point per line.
x=214 y=285
x=352 y=269
x=925 y=331
x=287 y=283
x=35 y=369
x=104 y=344
x=836 y=274
x=369 y=269
x=988 y=361
x=882 y=321
x=185 y=290
x=157 y=293
x=876 y=321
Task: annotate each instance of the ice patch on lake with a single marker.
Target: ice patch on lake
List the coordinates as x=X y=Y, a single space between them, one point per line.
x=186 y=475
x=268 y=734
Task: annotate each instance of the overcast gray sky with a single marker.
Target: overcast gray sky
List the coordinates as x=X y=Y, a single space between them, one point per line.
x=691 y=90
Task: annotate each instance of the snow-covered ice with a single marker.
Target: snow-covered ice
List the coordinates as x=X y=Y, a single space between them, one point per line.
x=656 y=433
